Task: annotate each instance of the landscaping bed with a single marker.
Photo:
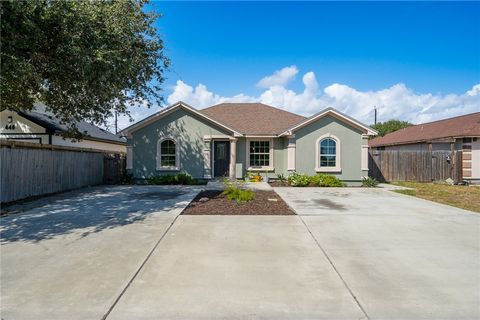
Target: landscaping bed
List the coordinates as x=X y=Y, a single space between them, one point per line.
x=219 y=204
x=277 y=183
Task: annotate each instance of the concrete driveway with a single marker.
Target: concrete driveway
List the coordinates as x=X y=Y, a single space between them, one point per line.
x=124 y=253
x=70 y=256
x=402 y=257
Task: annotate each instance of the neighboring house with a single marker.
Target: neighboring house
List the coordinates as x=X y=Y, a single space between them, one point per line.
x=458 y=133
x=231 y=138
x=41 y=127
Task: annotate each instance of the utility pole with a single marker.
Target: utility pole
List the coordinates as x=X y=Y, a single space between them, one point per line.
x=375 y=108
x=116 y=122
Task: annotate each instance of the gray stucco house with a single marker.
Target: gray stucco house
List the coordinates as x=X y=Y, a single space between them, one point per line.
x=230 y=139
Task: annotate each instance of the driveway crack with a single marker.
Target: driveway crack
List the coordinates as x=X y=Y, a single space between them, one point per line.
x=335 y=268
x=139 y=269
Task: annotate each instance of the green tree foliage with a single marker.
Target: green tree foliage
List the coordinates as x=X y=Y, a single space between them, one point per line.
x=84 y=60
x=390 y=126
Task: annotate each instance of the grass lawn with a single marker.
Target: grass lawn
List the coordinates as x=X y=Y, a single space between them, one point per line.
x=458 y=196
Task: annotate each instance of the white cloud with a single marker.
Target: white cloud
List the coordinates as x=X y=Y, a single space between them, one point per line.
x=200 y=97
x=395 y=102
x=279 y=78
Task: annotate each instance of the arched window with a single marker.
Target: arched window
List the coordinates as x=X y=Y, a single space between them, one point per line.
x=328 y=154
x=167 y=155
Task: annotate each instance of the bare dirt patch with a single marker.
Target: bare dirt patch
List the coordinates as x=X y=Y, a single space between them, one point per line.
x=218 y=204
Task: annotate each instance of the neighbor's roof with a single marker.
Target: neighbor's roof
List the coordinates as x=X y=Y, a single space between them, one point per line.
x=49 y=121
x=253 y=118
x=461 y=126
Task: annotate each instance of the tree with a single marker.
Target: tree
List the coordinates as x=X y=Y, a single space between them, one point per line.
x=390 y=126
x=85 y=60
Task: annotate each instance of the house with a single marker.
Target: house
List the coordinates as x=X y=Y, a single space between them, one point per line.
x=458 y=133
x=42 y=127
x=230 y=139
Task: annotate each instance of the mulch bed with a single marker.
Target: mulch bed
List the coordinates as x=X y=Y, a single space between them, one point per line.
x=275 y=184
x=220 y=205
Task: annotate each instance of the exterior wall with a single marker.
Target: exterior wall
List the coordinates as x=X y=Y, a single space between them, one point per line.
x=25 y=130
x=241 y=161
x=28 y=131
x=476 y=160
x=471 y=158
x=350 y=148
x=187 y=129
x=89 y=144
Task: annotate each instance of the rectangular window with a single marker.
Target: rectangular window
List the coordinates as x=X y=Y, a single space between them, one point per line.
x=259 y=153
x=327 y=161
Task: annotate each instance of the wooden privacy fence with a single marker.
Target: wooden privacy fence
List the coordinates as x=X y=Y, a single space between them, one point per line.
x=421 y=166
x=29 y=169
x=114 y=167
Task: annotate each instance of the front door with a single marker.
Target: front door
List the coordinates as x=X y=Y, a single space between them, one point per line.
x=221 y=158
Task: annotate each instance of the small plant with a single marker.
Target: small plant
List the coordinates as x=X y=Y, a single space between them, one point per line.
x=281 y=178
x=127 y=178
x=326 y=180
x=179 y=178
x=253 y=177
x=234 y=192
x=369 y=182
x=298 y=180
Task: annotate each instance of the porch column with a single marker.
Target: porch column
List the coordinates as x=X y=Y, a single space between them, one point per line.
x=233 y=157
x=207 y=170
x=291 y=149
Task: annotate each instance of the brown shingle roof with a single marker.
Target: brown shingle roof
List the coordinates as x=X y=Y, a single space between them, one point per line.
x=253 y=118
x=461 y=126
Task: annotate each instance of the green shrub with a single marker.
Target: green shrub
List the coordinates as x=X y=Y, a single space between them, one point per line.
x=179 y=178
x=298 y=180
x=233 y=192
x=326 y=180
x=369 y=182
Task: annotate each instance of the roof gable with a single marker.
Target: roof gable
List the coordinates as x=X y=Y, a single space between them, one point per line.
x=330 y=112
x=162 y=113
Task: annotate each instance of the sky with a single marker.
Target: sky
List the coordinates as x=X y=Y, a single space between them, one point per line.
x=414 y=61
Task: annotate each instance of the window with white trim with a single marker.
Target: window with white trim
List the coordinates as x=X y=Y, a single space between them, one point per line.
x=328 y=153
x=260 y=154
x=167 y=155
